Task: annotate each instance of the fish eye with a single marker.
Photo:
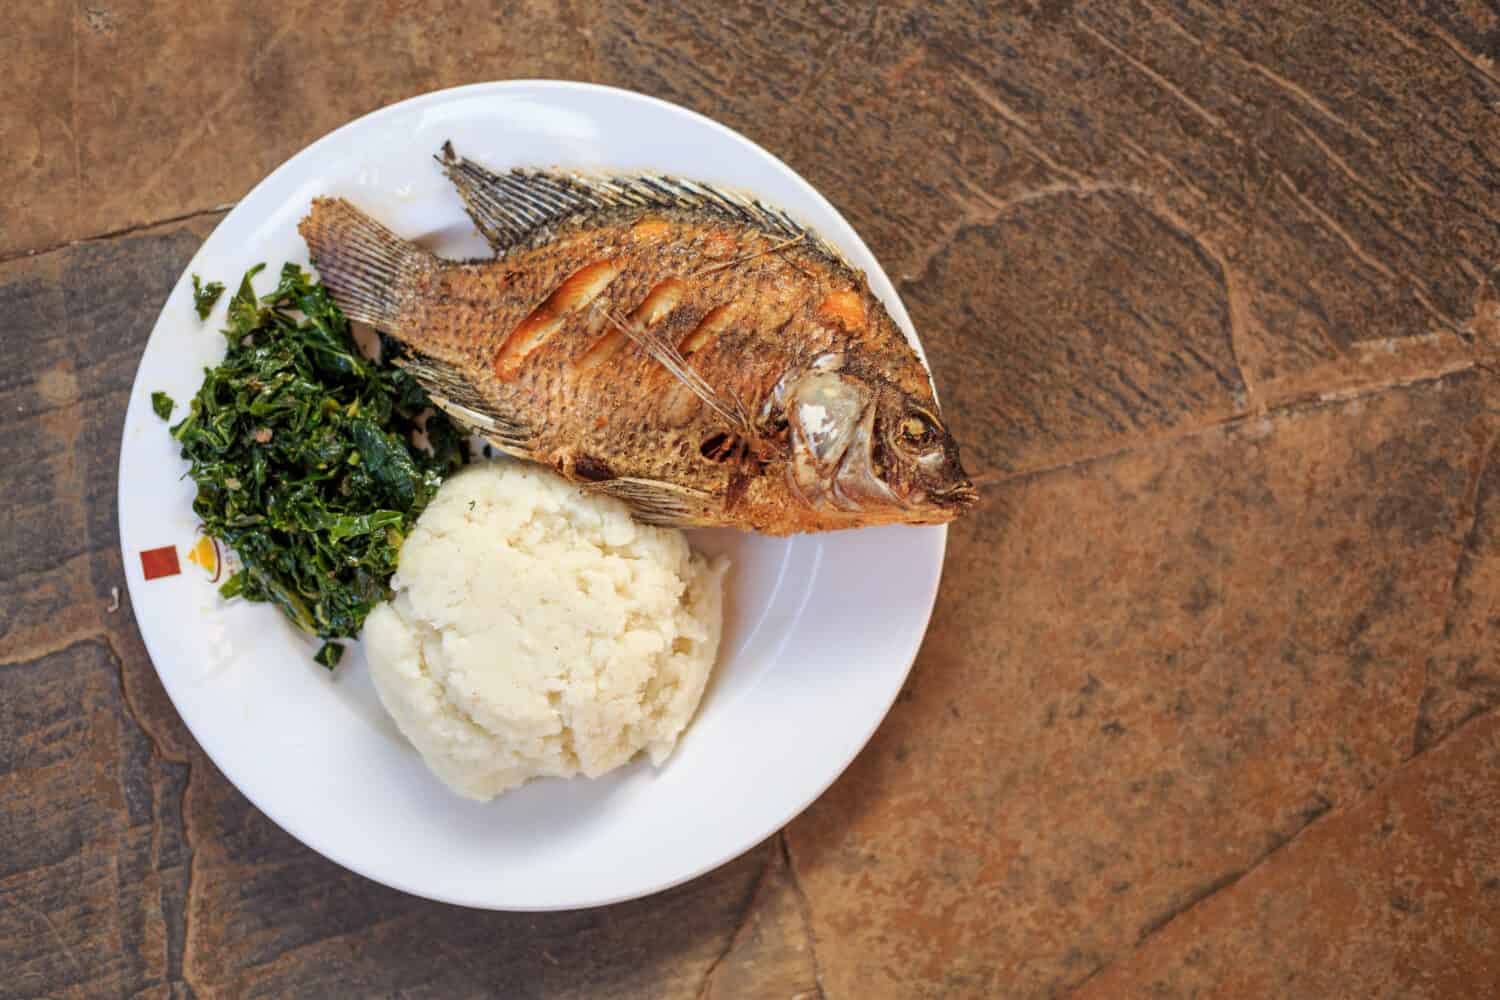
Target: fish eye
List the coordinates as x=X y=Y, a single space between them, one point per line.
x=917 y=428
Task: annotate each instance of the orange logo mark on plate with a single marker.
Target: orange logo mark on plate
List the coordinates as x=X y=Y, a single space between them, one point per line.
x=206 y=554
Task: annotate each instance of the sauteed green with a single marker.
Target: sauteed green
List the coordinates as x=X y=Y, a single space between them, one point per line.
x=305 y=457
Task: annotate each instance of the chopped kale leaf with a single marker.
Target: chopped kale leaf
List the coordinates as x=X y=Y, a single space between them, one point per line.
x=204 y=296
x=302 y=451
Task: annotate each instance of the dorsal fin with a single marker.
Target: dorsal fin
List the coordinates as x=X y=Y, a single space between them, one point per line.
x=511 y=208
x=507 y=208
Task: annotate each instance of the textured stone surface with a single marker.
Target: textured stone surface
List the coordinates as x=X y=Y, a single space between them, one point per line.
x=1147 y=673
x=129 y=113
x=270 y=918
x=1208 y=704
x=1332 y=165
x=1396 y=896
x=93 y=875
x=1463 y=677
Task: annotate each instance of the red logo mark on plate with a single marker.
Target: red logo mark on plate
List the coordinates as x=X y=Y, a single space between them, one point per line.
x=160 y=562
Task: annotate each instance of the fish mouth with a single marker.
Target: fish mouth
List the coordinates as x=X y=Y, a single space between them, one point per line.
x=962 y=495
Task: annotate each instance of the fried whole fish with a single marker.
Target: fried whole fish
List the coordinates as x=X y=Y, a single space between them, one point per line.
x=685 y=349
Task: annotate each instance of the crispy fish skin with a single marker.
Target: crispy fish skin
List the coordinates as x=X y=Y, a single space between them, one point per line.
x=796 y=403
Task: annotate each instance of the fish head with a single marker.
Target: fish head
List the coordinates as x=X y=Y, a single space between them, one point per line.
x=865 y=448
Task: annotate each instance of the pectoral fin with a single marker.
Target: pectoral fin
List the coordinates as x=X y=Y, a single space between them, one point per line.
x=656 y=502
x=456 y=396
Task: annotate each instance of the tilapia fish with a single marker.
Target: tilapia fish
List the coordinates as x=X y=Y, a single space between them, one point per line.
x=686 y=349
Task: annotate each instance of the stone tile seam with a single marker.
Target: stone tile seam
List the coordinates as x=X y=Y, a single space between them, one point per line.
x=24 y=253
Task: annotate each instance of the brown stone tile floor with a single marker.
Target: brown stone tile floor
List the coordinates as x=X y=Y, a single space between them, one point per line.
x=1208 y=707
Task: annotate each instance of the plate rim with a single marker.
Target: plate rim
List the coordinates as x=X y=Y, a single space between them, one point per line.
x=479 y=89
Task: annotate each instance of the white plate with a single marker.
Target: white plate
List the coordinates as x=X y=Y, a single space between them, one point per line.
x=820 y=633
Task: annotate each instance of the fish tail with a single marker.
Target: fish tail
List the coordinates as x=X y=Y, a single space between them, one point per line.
x=364 y=265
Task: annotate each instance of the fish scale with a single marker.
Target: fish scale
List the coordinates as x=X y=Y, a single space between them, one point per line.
x=687 y=349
